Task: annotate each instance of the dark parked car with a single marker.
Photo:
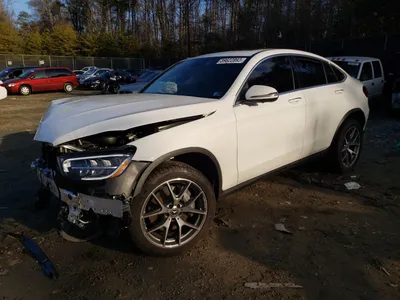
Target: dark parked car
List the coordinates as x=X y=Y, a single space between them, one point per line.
x=120 y=77
x=41 y=80
x=78 y=72
x=13 y=72
x=140 y=83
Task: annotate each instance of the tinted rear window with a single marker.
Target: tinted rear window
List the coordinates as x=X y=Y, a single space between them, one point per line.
x=58 y=73
x=309 y=72
x=377 y=69
x=352 y=68
x=366 y=72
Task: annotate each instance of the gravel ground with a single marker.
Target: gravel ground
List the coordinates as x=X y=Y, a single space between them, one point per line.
x=343 y=244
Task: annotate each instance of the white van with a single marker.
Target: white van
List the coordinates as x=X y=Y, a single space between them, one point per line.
x=366 y=69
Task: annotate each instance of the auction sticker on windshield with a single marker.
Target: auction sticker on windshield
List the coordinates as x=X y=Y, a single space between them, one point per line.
x=232 y=60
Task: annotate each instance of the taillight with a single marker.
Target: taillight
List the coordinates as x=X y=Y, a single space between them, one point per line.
x=365 y=91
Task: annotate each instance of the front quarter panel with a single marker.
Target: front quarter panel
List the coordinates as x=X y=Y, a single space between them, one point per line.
x=215 y=134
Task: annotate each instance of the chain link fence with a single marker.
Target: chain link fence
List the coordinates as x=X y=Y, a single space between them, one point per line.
x=74 y=63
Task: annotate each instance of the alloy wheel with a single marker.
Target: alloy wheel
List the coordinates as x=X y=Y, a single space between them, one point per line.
x=351 y=147
x=68 y=88
x=174 y=213
x=25 y=90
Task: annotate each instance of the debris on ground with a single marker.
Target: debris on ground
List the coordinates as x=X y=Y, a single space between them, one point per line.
x=352 y=185
x=304 y=217
x=150 y=268
x=280 y=227
x=393 y=285
x=285 y=203
x=302 y=228
x=222 y=222
x=36 y=253
x=3 y=272
x=385 y=271
x=263 y=285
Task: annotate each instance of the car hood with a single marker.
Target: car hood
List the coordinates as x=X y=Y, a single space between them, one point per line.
x=133 y=87
x=14 y=80
x=73 y=118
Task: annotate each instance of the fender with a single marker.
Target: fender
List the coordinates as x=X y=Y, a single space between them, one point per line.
x=346 y=116
x=170 y=155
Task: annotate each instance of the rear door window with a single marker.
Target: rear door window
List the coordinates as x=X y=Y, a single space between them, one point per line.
x=339 y=74
x=377 y=69
x=330 y=74
x=366 y=72
x=309 y=72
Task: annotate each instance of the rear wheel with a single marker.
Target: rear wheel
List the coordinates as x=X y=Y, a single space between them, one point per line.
x=68 y=87
x=25 y=90
x=346 y=148
x=173 y=211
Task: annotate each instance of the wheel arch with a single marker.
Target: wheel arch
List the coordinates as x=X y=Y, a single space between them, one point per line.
x=199 y=158
x=356 y=114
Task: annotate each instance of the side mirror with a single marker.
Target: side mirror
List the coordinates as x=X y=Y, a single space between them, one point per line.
x=261 y=93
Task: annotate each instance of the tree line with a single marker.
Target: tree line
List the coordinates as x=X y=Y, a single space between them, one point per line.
x=181 y=28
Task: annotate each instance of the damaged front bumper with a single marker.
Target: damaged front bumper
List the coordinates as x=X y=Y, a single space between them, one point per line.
x=107 y=197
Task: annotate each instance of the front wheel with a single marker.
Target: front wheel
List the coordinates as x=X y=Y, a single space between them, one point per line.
x=173 y=211
x=346 y=148
x=115 y=88
x=25 y=90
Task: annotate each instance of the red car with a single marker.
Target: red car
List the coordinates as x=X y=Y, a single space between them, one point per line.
x=42 y=80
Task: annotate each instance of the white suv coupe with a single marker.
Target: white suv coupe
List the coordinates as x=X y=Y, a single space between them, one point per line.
x=157 y=161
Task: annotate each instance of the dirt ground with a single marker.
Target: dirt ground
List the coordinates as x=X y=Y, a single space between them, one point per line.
x=344 y=244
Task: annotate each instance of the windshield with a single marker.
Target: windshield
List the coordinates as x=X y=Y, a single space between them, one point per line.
x=352 y=68
x=4 y=73
x=26 y=74
x=90 y=72
x=208 y=77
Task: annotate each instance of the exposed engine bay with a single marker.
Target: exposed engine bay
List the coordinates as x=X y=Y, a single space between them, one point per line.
x=116 y=139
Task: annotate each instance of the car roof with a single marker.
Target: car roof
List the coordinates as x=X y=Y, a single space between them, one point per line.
x=50 y=68
x=246 y=53
x=352 y=58
x=21 y=67
x=266 y=52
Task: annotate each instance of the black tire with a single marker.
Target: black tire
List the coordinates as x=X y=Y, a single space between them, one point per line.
x=25 y=90
x=68 y=87
x=167 y=171
x=335 y=153
x=115 y=88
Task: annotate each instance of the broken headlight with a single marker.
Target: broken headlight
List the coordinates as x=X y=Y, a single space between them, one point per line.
x=95 y=167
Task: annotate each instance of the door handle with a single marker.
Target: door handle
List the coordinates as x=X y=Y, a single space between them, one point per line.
x=295 y=100
x=339 y=91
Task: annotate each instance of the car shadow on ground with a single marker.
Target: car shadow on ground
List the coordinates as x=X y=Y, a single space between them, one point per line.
x=19 y=186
